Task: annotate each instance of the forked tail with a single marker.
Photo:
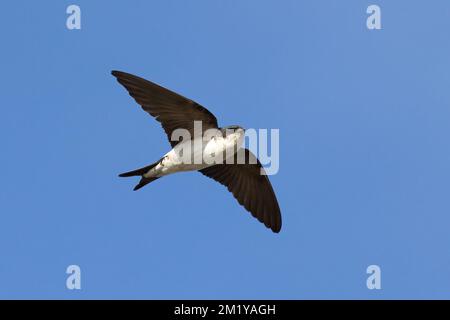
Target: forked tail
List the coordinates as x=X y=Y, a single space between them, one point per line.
x=140 y=172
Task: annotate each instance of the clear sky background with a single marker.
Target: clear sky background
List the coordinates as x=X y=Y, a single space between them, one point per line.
x=364 y=119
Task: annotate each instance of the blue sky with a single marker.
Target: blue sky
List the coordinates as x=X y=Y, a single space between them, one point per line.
x=364 y=149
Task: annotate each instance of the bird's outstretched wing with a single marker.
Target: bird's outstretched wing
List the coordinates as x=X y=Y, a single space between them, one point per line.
x=251 y=189
x=172 y=110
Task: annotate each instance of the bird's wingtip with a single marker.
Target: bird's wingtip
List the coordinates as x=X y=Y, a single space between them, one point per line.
x=117 y=73
x=276 y=228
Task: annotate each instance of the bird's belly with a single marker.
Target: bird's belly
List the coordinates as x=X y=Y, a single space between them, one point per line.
x=173 y=162
x=195 y=156
x=219 y=149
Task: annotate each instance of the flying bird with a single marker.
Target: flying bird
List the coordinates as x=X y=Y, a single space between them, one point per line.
x=246 y=181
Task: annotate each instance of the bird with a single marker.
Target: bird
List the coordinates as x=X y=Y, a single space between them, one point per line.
x=246 y=180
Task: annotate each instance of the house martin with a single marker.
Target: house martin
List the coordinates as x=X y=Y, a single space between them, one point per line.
x=246 y=180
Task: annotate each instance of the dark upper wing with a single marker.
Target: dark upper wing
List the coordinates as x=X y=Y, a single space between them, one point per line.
x=250 y=188
x=171 y=109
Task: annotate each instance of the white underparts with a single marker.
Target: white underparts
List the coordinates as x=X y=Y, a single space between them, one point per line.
x=198 y=154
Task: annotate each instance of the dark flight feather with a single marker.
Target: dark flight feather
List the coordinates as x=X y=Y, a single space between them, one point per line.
x=250 y=188
x=172 y=110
